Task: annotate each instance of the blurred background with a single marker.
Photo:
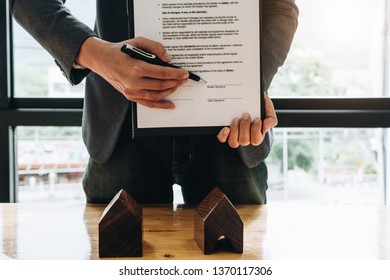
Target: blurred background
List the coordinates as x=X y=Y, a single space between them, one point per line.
x=338 y=52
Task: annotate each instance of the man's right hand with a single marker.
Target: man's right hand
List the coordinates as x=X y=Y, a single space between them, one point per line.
x=138 y=81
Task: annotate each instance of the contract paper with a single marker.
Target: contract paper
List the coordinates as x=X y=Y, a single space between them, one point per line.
x=217 y=40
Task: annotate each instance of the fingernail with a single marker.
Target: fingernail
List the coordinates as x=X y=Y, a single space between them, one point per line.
x=167 y=57
x=186 y=75
x=183 y=82
x=256 y=121
x=171 y=106
x=236 y=122
x=225 y=131
x=245 y=116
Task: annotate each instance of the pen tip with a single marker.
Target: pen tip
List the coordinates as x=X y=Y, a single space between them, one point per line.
x=203 y=81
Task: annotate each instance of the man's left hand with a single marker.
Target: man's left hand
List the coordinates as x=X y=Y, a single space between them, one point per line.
x=244 y=131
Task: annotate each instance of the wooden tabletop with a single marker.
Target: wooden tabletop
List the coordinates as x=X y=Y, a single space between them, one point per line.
x=277 y=231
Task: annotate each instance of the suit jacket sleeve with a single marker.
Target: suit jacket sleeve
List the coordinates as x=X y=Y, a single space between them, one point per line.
x=280 y=20
x=51 y=24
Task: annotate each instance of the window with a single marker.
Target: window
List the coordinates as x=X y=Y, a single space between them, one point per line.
x=327 y=166
x=51 y=163
x=331 y=96
x=36 y=74
x=50 y=160
x=337 y=51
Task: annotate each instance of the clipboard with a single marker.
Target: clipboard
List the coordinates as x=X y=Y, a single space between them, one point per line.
x=139 y=129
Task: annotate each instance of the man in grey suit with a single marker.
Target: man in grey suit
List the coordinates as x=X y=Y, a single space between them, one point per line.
x=147 y=167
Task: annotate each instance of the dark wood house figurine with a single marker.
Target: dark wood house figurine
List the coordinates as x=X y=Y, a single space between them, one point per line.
x=120 y=228
x=216 y=218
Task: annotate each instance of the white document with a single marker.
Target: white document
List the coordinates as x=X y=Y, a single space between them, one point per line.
x=217 y=40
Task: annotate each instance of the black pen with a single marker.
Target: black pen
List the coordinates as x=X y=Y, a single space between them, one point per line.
x=153 y=59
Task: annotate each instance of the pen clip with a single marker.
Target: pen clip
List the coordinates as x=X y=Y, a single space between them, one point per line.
x=141 y=52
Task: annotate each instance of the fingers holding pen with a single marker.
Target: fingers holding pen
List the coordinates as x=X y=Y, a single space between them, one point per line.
x=152 y=83
x=163 y=72
x=151 y=46
x=157 y=56
x=148 y=74
x=135 y=79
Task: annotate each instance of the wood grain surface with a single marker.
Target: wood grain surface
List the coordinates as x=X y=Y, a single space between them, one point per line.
x=277 y=231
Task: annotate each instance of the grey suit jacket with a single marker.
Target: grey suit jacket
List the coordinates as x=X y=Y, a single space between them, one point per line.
x=105 y=109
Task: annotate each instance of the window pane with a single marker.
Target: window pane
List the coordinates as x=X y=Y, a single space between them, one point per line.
x=387 y=167
x=36 y=74
x=51 y=163
x=329 y=166
x=337 y=51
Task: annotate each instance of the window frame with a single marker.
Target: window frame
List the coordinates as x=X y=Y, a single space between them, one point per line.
x=292 y=112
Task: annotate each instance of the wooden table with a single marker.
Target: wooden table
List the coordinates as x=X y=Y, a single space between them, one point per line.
x=277 y=231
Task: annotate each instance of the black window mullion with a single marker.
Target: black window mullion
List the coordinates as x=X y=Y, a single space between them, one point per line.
x=7 y=170
x=7 y=152
x=41 y=117
x=47 y=103
x=334 y=118
x=332 y=103
x=5 y=55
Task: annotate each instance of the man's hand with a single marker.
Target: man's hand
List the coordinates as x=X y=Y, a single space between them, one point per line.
x=243 y=132
x=138 y=81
